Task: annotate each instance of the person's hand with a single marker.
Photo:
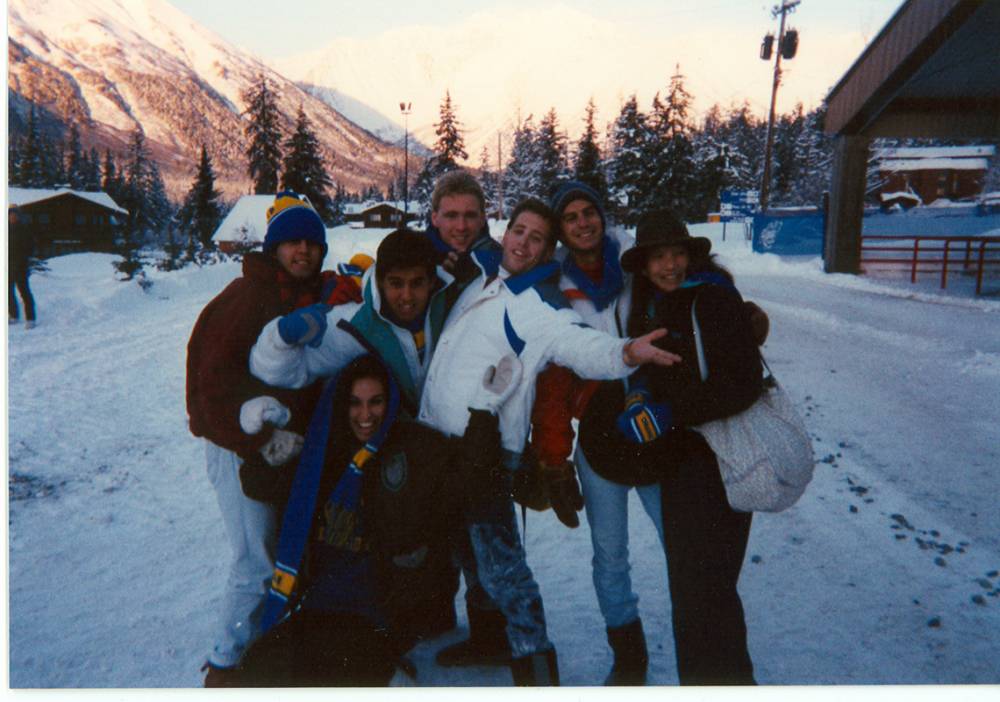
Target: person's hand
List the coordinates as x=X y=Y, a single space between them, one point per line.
x=643 y=420
x=282 y=447
x=254 y=413
x=564 y=492
x=305 y=325
x=499 y=383
x=641 y=350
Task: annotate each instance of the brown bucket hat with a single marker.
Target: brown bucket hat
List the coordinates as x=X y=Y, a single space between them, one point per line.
x=662 y=228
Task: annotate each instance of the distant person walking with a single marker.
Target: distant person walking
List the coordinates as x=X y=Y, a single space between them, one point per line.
x=19 y=252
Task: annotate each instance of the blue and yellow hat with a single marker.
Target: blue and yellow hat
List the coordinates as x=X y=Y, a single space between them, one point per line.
x=290 y=218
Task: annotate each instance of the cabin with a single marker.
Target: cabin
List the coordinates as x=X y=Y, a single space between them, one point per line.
x=62 y=221
x=932 y=173
x=380 y=215
x=245 y=225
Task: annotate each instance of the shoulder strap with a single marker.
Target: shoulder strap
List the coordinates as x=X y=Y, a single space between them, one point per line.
x=769 y=379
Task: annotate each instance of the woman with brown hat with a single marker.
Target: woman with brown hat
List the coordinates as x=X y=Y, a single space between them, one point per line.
x=642 y=433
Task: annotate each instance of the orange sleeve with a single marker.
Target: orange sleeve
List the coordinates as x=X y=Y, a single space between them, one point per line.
x=551 y=428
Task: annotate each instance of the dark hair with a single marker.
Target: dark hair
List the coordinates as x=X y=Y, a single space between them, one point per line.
x=366 y=366
x=404 y=248
x=457 y=182
x=643 y=290
x=536 y=206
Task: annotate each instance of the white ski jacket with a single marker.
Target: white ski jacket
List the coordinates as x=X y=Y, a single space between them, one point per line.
x=500 y=314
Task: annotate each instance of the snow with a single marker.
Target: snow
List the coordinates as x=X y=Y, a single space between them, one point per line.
x=887 y=571
x=934 y=164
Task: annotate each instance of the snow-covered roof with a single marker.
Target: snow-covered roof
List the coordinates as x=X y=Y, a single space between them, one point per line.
x=17 y=197
x=354 y=208
x=246 y=221
x=934 y=164
x=938 y=151
x=900 y=195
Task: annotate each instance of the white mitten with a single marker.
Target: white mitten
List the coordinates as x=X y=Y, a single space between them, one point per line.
x=499 y=383
x=283 y=447
x=254 y=413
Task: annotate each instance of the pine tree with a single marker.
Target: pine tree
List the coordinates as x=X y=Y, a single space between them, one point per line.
x=340 y=198
x=670 y=149
x=112 y=180
x=92 y=172
x=263 y=133
x=75 y=163
x=587 y=167
x=550 y=146
x=201 y=211
x=787 y=167
x=450 y=146
x=628 y=172
x=303 y=170
x=145 y=198
x=522 y=177
x=488 y=180
x=32 y=155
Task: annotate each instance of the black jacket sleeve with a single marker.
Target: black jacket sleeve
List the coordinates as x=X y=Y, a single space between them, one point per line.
x=733 y=362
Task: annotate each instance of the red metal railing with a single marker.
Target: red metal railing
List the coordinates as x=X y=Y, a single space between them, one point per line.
x=933 y=254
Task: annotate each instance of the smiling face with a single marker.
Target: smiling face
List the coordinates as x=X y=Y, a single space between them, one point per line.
x=405 y=293
x=527 y=242
x=666 y=266
x=459 y=218
x=301 y=258
x=582 y=228
x=366 y=408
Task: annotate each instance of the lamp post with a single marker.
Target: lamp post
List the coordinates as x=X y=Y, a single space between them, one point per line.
x=404 y=108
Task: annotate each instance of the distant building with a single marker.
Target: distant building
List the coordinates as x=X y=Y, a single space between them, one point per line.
x=62 y=221
x=245 y=225
x=933 y=173
x=380 y=214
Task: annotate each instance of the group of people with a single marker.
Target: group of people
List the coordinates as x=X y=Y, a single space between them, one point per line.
x=367 y=431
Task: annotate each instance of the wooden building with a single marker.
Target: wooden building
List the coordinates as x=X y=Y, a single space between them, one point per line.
x=66 y=221
x=934 y=172
x=932 y=72
x=384 y=215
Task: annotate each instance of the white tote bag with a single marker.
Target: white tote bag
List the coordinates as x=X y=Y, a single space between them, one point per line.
x=764 y=453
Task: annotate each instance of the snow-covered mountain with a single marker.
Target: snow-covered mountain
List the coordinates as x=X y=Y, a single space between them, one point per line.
x=112 y=64
x=504 y=63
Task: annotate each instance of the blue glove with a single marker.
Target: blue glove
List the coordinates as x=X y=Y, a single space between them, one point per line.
x=644 y=420
x=304 y=326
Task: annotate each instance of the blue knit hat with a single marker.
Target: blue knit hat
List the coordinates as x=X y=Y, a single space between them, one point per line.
x=290 y=218
x=573 y=190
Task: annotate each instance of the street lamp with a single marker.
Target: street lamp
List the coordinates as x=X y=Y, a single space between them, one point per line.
x=404 y=107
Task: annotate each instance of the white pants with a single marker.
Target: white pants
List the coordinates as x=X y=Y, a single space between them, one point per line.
x=252 y=531
x=606 y=505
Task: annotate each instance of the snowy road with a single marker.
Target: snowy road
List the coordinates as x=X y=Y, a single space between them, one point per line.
x=886 y=571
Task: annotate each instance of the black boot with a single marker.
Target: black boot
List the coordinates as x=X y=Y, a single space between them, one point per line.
x=487 y=643
x=631 y=659
x=536 y=670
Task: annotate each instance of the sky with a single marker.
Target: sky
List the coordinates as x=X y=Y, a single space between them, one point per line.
x=256 y=25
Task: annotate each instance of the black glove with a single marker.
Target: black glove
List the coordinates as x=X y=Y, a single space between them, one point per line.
x=486 y=480
x=564 y=493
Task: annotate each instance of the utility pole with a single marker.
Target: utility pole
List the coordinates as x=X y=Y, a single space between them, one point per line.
x=787 y=46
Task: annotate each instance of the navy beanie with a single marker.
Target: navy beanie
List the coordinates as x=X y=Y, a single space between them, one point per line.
x=291 y=218
x=573 y=190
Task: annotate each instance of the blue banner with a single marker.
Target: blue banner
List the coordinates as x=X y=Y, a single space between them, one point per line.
x=789 y=234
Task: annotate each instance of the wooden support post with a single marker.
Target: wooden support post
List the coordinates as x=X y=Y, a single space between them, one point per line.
x=842 y=248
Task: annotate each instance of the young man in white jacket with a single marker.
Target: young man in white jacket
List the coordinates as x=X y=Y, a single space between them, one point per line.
x=513 y=307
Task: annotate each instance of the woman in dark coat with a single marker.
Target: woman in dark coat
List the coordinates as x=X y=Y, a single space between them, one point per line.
x=384 y=499
x=644 y=432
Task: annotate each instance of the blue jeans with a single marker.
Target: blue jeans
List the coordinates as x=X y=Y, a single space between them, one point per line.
x=606 y=506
